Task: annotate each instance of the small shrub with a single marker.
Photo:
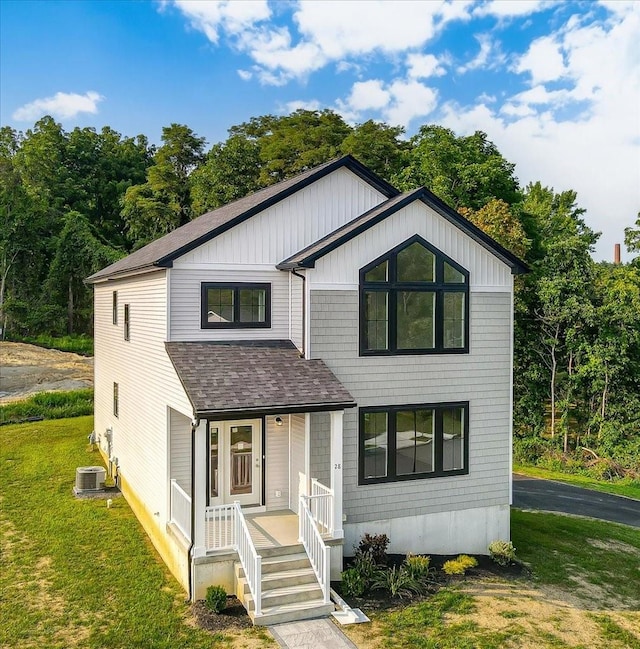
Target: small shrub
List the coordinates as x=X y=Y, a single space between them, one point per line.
x=375 y=545
x=353 y=583
x=399 y=582
x=502 y=552
x=417 y=565
x=365 y=566
x=216 y=599
x=459 y=565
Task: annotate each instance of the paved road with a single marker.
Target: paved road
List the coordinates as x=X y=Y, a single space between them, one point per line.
x=533 y=493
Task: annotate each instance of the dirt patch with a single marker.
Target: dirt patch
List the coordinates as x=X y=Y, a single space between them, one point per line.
x=616 y=546
x=27 y=369
x=233 y=623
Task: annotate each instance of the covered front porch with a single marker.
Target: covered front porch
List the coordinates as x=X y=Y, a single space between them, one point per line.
x=261 y=466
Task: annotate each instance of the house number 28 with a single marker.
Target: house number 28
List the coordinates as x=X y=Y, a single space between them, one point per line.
x=337 y=466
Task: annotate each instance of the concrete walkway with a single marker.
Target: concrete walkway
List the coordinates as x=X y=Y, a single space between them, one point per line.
x=311 y=634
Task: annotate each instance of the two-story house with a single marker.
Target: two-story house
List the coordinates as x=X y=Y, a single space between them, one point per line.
x=324 y=358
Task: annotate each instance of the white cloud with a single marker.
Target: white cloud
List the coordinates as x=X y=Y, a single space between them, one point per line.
x=423 y=66
x=397 y=103
x=489 y=55
x=245 y=75
x=597 y=153
x=209 y=16
x=63 y=105
x=543 y=60
x=512 y=8
x=326 y=32
x=299 y=104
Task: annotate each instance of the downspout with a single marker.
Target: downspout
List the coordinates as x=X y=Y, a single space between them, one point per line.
x=194 y=425
x=304 y=311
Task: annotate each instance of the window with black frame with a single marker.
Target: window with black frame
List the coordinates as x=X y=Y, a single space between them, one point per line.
x=238 y=305
x=408 y=442
x=414 y=300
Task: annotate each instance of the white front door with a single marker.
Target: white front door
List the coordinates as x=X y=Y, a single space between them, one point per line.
x=235 y=461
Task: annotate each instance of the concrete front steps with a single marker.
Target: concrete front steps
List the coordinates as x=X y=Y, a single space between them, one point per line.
x=290 y=590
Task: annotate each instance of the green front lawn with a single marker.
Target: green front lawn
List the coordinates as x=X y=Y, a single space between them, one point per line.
x=621 y=488
x=74 y=573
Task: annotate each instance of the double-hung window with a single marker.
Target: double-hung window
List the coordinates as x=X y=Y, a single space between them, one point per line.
x=114 y=307
x=411 y=442
x=127 y=323
x=414 y=300
x=239 y=305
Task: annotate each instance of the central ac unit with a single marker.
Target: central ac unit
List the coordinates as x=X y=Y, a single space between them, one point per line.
x=90 y=478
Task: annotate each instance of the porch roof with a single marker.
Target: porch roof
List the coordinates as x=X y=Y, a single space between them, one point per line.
x=251 y=378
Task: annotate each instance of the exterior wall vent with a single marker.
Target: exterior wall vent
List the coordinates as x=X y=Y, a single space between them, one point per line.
x=90 y=478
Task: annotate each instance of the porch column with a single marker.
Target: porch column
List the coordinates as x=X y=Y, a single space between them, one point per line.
x=336 y=471
x=199 y=489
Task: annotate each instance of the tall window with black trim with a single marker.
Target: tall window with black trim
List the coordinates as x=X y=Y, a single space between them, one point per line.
x=114 y=307
x=116 y=404
x=417 y=441
x=414 y=300
x=127 y=323
x=235 y=306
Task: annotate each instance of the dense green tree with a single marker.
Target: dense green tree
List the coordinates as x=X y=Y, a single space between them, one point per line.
x=231 y=171
x=163 y=202
x=466 y=171
x=78 y=254
x=378 y=146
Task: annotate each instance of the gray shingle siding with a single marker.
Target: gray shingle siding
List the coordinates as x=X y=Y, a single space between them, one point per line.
x=481 y=377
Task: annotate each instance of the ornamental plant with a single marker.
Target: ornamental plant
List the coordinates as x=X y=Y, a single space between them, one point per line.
x=459 y=565
x=216 y=599
x=502 y=552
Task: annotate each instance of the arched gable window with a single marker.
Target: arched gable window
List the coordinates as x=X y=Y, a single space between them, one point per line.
x=414 y=300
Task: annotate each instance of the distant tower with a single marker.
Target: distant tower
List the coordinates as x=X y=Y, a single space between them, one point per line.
x=616 y=254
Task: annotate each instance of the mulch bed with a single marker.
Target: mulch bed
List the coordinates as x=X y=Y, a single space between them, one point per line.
x=234 y=616
x=379 y=600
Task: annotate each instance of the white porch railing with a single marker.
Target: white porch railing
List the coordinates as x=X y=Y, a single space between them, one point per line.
x=321 y=506
x=180 y=509
x=317 y=551
x=226 y=529
x=250 y=559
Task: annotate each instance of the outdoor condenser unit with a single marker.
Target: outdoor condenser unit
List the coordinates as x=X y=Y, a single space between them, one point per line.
x=90 y=478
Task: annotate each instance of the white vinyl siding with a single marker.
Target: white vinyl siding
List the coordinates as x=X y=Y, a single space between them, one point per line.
x=185 y=288
x=147 y=384
x=291 y=224
x=321 y=447
x=481 y=377
x=180 y=449
x=277 y=464
x=340 y=267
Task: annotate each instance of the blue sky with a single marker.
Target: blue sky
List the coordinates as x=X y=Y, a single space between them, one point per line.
x=556 y=85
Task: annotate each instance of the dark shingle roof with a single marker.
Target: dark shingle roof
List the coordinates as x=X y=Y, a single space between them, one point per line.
x=307 y=257
x=161 y=252
x=254 y=378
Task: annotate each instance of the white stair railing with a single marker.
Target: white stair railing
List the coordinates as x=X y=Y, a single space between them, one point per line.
x=321 y=506
x=317 y=551
x=226 y=529
x=250 y=559
x=180 y=509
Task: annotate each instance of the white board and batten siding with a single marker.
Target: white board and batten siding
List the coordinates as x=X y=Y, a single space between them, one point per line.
x=277 y=463
x=148 y=384
x=297 y=457
x=290 y=225
x=340 y=268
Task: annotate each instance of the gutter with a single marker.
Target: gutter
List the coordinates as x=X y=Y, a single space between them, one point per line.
x=194 y=426
x=304 y=311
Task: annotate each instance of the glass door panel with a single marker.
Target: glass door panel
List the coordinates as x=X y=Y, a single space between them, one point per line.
x=241 y=460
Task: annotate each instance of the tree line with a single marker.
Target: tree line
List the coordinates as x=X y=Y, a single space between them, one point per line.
x=72 y=202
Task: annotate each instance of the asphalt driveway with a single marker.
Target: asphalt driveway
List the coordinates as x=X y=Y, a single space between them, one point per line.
x=547 y=495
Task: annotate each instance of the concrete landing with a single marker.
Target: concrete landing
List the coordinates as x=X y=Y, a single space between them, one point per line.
x=310 y=634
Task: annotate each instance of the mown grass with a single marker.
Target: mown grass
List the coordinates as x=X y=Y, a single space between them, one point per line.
x=568 y=551
x=76 y=343
x=628 y=488
x=49 y=405
x=74 y=573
